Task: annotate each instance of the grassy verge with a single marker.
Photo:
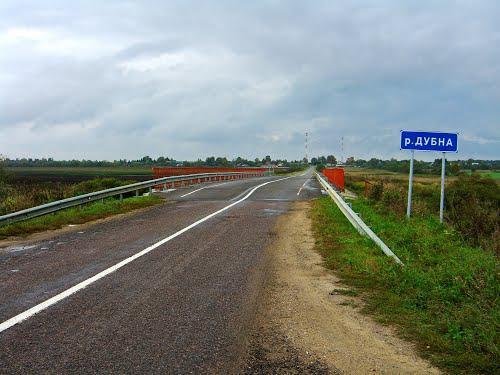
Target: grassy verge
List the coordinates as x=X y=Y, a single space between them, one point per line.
x=445 y=298
x=77 y=215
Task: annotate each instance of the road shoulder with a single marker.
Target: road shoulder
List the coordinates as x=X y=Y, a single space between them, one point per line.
x=307 y=323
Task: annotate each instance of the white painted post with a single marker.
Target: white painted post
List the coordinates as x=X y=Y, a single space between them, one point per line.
x=410 y=185
x=443 y=174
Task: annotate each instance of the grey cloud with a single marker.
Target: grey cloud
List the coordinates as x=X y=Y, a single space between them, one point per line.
x=188 y=79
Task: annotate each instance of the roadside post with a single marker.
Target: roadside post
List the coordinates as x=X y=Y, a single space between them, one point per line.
x=410 y=185
x=428 y=141
x=443 y=174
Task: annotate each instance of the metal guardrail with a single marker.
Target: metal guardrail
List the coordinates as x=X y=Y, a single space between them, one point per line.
x=355 y=220
x=51 y=207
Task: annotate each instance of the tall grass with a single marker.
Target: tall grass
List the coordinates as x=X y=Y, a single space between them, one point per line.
x=19 y=196
x=472 y=204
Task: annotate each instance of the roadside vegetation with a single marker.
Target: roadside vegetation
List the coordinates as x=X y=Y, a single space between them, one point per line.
x=293 y=168
x=472 y=203
x=446 y=296
x=77 y=215
x=15 y=196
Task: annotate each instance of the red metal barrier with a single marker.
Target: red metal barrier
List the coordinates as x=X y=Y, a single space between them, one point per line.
x=159 y=172
x=335 y=177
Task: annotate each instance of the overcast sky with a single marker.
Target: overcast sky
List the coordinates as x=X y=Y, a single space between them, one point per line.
x=123 y=79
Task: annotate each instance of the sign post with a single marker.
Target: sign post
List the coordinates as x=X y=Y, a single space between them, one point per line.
x=410 y=185
x=428 y=141
x=443 y=174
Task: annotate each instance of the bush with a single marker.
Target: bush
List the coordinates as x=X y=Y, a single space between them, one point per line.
x=376 y=191
x=473 y=207
x=395 y=199
x=96 y=184
x=320 y=167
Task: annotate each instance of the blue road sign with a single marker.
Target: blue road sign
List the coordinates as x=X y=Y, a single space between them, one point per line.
x=428 y=141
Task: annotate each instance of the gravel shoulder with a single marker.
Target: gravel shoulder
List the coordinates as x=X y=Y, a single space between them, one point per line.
x=307 y=325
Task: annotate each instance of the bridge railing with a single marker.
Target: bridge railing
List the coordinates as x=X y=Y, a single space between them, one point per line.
x=354 y=219
x=164 y=182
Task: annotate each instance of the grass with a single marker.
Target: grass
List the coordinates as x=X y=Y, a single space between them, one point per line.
x=77 y=215
x=445 y=298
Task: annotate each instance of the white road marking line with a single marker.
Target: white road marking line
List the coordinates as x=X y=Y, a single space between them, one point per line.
x=204 y=187
x=303 y=185
x=241 y=194
x=68 y=292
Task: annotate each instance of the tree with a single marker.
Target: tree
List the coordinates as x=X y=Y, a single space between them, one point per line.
x=162 y=160
x=221 y=161
x=314 y=161
x=210 y=161
x=330 y=159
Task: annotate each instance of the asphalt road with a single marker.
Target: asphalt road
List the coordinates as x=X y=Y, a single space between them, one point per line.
x=184 y=306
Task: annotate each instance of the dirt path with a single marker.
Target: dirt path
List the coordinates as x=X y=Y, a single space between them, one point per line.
x=305 y=328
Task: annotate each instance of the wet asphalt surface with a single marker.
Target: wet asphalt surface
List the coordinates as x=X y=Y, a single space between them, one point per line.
x=185 y=307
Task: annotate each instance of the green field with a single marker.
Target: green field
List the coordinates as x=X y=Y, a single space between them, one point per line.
x=80 y=171
x=380 y=174
x=493 y=174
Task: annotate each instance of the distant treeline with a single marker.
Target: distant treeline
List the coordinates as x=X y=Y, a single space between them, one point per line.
x=393 y=165
x=148 y=161
x=403 y=166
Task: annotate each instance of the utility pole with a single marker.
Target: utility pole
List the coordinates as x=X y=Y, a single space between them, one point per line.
x=342 y=148
x=305 y=147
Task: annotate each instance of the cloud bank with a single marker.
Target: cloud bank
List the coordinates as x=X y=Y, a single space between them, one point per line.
x=123 y=79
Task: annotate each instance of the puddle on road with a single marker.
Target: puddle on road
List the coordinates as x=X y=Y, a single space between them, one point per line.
x=266 y=212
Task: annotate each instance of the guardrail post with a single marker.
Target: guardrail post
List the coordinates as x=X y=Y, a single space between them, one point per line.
x=150 y=190
x=121 y=197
